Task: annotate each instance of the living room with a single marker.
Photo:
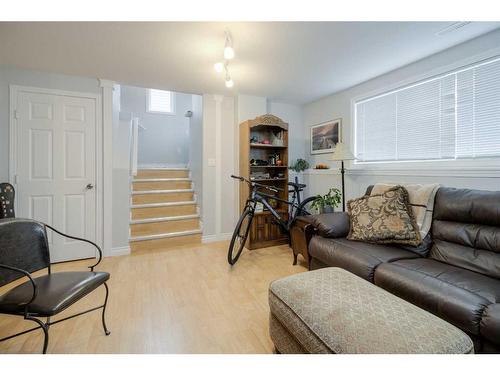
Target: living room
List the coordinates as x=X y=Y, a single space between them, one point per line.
x=192 y=186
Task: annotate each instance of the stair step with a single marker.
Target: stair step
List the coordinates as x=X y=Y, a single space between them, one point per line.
x=165 y=235
x=166 y=218
x=162 y=172
x=166 y=242
x=162 y=196
x=148 y=184
x=156 y=210
x=162 y=227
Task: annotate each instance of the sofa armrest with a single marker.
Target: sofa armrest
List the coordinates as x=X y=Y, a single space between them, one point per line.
x=490 y=323
x=333 y=225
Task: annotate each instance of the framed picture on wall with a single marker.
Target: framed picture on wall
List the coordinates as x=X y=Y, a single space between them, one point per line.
x=325 y=136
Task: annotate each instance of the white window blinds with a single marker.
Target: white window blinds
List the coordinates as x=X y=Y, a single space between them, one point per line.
x=455 y=115
x=160 y=101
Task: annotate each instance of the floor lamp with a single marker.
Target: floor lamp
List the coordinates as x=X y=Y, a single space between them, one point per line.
x=342 y=153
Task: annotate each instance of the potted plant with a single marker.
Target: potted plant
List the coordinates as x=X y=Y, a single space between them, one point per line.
x=326 y=203
x=299 y=165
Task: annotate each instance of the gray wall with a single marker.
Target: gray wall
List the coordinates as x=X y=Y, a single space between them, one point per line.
x=15 y=76
x=339 y=106
x=166 y=138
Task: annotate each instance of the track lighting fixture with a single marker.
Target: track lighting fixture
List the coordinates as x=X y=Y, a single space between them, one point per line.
x=228 y=54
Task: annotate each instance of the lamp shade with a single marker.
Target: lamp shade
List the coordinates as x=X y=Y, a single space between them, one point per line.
x=342 y=152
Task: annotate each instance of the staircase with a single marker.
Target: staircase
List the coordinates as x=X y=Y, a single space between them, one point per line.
x=163 y=210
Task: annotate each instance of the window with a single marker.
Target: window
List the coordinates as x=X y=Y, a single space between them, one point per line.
x=160 y=101
x=452 y=116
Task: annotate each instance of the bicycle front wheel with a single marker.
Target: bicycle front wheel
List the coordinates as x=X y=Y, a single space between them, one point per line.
x=240 y=235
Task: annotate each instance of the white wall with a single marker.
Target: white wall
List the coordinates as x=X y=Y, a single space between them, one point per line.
x=166 y=138
x=339 y=106
x=219 y=198
x=121 y=177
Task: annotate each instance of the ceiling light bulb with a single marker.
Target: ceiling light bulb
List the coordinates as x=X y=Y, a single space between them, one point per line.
x=229 y=83
x=219 y=67
x=228 y=52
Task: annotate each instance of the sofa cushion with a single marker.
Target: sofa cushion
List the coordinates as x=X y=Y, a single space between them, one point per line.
x=384 y=218
x=458 y=295
x=466 y=230
x=360 y=258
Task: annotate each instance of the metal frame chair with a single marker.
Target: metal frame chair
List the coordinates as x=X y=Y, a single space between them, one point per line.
x=23 y=250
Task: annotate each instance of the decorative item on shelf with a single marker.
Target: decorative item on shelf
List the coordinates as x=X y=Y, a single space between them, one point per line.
x=279 y=162
x=325 y=136
x=266 y=142
x=254 y=139
x=326 y=203
x=321 y=166
x=273 y=203
x=260 y=176
x=277 y=138
x=342 y=153
x=280 y=175
x=259 y=207
x=299 y=165
x=259 y=163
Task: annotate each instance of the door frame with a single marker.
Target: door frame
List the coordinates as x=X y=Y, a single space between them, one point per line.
x=14 y=91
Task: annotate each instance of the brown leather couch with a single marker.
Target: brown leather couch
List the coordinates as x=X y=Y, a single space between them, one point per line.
x=454 y=274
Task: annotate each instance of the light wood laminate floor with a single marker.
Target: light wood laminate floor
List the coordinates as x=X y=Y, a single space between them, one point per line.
x=180 y=300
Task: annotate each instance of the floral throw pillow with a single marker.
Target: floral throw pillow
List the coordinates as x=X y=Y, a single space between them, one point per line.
x=383 y=218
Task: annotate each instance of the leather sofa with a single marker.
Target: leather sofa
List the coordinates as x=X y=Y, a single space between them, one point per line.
x=454 y=273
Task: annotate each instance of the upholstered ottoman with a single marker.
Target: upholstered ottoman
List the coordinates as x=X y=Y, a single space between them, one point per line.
x=333 y=311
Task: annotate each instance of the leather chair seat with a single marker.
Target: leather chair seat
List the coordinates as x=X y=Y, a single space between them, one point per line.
x=360 y=258
x=455 y=294
x=56 y=292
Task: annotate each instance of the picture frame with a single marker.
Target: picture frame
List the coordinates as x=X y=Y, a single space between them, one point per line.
x=325 y=136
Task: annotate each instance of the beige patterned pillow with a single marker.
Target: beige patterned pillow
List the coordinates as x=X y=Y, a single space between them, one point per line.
x=383 y=218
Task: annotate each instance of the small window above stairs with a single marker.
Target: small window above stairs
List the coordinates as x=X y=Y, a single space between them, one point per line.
x=164 y=212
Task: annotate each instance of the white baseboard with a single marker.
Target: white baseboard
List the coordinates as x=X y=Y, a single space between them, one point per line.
x=117 y=251
x=214 y=237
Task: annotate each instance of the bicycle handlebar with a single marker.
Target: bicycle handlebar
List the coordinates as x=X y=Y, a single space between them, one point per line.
x=252 y=183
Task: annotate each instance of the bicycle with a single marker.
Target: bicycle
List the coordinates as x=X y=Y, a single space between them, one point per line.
x=297 y=208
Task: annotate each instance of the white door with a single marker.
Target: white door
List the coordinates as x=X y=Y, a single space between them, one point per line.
x=56 y=168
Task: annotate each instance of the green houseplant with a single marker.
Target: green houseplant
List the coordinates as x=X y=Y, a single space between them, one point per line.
x=326 y=203
x=299 y=165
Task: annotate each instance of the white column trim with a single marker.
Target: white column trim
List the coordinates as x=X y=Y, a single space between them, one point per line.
x=218 y=164
x=107 y=163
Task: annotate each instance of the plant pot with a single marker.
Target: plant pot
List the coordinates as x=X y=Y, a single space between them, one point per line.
x=327 y=209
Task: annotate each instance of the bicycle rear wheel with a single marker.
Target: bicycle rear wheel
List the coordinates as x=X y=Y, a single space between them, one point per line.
x=240 y=235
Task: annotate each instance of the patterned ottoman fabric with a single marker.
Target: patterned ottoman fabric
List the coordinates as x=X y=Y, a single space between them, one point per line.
x=333 y=311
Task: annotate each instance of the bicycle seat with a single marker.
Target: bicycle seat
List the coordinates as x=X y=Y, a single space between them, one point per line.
x=296 y=185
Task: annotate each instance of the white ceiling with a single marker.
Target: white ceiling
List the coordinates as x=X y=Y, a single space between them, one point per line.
x=289 y=61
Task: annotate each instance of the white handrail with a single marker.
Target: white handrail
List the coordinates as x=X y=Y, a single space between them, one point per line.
x=135 y=146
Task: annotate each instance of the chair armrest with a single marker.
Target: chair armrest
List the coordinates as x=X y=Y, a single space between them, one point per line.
x=80 y=239
x=333 y=225
x=490 y=323
x=28 y=275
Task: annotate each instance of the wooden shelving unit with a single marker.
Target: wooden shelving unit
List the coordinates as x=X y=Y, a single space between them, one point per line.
x=264 y=231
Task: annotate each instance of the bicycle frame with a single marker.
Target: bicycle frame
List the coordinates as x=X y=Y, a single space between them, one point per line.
x=260 y=197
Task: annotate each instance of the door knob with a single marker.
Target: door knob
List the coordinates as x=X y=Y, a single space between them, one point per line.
x=89 y=186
